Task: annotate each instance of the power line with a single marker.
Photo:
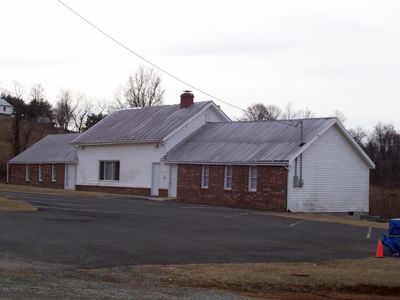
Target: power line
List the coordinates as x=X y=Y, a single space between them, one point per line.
x=145 y=59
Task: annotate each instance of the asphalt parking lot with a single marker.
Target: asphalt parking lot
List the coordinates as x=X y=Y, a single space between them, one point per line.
x=80 y=231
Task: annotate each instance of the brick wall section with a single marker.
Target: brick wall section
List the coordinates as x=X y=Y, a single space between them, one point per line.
x=114 y=190
x=17 y=175
x=271 y=191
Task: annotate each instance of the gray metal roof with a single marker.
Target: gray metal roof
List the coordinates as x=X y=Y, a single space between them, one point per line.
x=54 y=148
x=247 y=142
x=147 y=124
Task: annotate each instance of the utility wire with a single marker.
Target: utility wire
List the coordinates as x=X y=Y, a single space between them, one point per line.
x=145 y=59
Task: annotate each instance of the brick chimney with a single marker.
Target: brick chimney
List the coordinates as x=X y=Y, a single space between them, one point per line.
x=186 y=99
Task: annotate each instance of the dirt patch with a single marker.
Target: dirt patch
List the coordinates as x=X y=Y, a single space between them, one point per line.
x=7 y=204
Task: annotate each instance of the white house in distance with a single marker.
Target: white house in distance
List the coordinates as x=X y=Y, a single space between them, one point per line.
x=6 y=108
x=194 y=152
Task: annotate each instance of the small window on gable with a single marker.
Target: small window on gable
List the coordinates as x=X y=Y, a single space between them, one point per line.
x=109 y=170
x=252 y=179
x=53 y=173
x=27 y=175
x=40 y=173
x=204 y=176
x=228 y=178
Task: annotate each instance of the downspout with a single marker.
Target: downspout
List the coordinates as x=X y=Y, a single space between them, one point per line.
x=7 y=179
x=302 y=142
x=301 y=181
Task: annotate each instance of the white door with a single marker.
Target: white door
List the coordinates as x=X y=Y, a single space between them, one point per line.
x=155 y=179
x=173 y=180
x=70 y=175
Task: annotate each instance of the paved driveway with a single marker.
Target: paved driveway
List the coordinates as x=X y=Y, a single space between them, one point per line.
x=92 y=232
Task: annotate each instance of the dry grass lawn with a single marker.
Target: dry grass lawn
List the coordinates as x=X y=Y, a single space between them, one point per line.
x=15 y=205
x=369 y=276
x=330 y=219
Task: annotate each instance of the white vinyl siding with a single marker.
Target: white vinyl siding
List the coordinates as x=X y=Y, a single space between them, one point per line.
x=208 y=115
x=27 y=173
x=6 y=110
x=53 y=173
x=252 y=179
x=40 y=174
x=228 y=178
x=204 y=176
x=136 y=162
x=336 y=178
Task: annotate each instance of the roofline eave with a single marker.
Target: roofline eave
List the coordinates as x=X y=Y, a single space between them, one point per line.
x=41 y=162
x=119 y=143
x=239 y=163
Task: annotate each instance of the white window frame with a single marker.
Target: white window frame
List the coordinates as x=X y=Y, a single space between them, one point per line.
x=53 y=173
x=228 y=178
x=27 y=175
x=40 y=175
x=251 y=178
x=114 y=163
x=205 y=176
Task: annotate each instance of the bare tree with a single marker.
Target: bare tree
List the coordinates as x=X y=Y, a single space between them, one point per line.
x=359 y=135
x=18 y=90
x=259 y=111
x=64 y=110
x=82 y=111
x=340 y=116
x=289 y=112
x=37 y=92
x=39 y=109
x=304 y=113
x=119 y=102
x=384 y=149
x=142 y=89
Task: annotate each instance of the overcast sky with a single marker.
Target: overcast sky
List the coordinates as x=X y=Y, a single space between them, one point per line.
x=324 y=55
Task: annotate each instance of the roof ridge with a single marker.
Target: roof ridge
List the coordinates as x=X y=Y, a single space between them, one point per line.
x=148 y=124
x=271 y=121
x=157 y=106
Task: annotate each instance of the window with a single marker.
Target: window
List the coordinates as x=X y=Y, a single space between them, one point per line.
x=4 y=108
x=40 y=174
x=228 y=178
x=27 y=176
x=252 y=179
x=109 y=170
x=53 y=173
x=204 y=177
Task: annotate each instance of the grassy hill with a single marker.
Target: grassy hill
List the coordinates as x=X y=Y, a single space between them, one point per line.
x=30 y=133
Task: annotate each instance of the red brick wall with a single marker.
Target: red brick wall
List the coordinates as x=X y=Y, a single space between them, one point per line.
x=114 y=190
x=17 y=175
x=271 y=191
